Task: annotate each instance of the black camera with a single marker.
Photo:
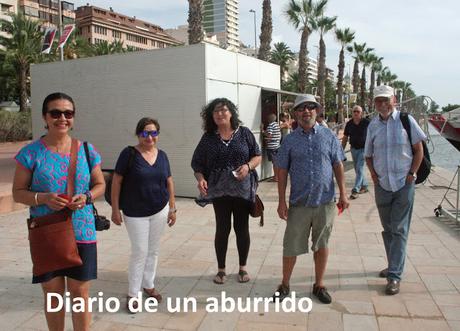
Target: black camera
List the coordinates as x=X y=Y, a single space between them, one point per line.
x=101 y=222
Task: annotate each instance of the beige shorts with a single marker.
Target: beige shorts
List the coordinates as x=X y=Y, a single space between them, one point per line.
x=300 y=220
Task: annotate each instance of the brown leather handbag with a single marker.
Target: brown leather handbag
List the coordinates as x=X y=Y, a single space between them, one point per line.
x=257 y=209
x=52 y=239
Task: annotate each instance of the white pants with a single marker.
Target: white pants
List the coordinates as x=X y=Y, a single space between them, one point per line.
x=144 y=234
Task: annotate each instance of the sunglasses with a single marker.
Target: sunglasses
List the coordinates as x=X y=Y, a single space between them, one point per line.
x=56 y=113
x=145 y=133
x=309 y=106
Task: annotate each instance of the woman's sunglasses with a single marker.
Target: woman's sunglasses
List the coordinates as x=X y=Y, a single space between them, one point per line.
x=56 y=114
x=145 y=133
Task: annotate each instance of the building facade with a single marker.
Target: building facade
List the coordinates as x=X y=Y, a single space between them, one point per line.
x=7 y=7
x=47 y=11
x=98 y=24
x=220 y=18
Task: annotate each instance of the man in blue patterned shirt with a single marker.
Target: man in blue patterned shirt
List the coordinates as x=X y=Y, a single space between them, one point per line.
x=312 y=155
x=393 y=164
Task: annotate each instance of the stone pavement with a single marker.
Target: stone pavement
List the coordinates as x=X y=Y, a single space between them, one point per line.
x=429 y=298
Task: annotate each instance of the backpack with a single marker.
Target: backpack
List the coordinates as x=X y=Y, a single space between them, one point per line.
x=425 y=167
x=108 y=179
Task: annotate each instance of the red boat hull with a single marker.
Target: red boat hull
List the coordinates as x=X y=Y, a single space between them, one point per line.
x=446 y=129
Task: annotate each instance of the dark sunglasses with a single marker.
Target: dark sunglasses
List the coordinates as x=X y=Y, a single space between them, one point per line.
x=309 y=106
x=145 y=133
x=56 y=113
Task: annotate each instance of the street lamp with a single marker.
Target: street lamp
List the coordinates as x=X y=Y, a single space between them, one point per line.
x=60 y=28
x=255 y=32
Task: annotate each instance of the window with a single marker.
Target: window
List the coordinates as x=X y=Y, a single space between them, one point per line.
x=45 y=3
x=29 y=11
x=54 y=4
x=116 y=34
x=67 y=20
x=100 y=30
x=136 y=39
x=44 y=15
x=67 y=6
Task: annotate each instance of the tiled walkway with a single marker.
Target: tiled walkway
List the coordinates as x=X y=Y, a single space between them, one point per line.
x=429 y=298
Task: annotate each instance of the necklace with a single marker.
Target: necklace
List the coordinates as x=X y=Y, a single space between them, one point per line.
x=226 y=143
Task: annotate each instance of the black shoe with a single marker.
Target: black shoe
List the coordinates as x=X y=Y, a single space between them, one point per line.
x=322 y=294
x=354 y=195
x=383 y=273
x=282 y=292
x=392 y=287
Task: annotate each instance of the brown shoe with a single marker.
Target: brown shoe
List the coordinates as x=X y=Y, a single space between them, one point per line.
x=134 y=305
x=152 y=293
x=363 y=189
x=383 y=273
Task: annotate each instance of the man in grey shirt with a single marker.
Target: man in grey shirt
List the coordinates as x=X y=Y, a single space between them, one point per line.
x=393 y=164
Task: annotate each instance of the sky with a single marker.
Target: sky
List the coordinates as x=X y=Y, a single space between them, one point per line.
x=418 y=39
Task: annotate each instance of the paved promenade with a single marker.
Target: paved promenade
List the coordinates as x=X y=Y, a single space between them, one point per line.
x=429 y=298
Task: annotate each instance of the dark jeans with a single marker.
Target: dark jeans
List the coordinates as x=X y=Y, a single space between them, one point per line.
x=224 y=207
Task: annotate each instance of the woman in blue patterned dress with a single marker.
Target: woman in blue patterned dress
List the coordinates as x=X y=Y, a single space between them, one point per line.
x=40 y=181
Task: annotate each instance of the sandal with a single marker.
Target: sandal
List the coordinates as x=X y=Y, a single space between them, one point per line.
x=220 y=278
x=243 y=276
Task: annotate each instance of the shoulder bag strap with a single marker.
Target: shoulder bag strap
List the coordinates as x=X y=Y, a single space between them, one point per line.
x=72 y=168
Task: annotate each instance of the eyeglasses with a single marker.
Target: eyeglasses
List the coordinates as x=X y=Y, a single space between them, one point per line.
x=356 y=111
x=382 y=100
x=56 y=114
x=309 y=106
x=145 y=133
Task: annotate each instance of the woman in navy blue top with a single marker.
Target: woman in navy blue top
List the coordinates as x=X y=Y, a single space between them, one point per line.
x=223 y=162
x=143 y=188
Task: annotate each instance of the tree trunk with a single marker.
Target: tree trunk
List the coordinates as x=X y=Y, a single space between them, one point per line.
x=341 y=68
x=371 y=90
x=266 y=31
x=355 y=79
x=362 y=98
x=322 y=71
x=195 y=24
x=22 y=86
x=303 y=61
x=379 y=80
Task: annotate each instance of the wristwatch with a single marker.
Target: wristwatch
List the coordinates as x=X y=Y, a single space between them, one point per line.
x=89 y=197
x=413 y=174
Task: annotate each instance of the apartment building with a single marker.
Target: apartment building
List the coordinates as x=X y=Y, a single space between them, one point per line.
x=220 y=19
x=7 y=7
x=47 y=11
x=98 y=24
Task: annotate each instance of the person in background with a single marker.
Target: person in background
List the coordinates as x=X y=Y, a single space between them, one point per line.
x=356 y=131
x=320 y=120
x=285 y=124
x=272 y=137
x=145 y=194
x=40 y=181
x=223 y=163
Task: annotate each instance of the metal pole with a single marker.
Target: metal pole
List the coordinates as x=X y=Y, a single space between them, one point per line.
x=60 y=28
x=458 y=193
x=255 y=32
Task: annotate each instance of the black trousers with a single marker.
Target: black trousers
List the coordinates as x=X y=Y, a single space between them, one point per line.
x=224 y=207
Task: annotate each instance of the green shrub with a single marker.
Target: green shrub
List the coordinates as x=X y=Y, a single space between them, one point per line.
x=15 y=126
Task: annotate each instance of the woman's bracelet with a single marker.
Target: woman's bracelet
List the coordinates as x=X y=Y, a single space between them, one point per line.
x=172 y=210
x=36 y=198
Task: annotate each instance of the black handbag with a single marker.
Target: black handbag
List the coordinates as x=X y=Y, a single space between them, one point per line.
x=101 y=222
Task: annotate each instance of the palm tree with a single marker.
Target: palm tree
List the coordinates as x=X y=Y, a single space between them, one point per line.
x=77 y=47
x=105 y=48
x=22 y=49
x=376 y=66
x=388 y=77
x=357 y=49
x=324 y=24
x=292 y=83
x=345 y=37
x=302 y=14
x=379 y=77
x=195 y=18
x=281 y=55
x=266 y=31
x=366 y=59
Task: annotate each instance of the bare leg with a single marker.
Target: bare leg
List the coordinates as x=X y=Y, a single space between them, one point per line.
x=55 y=320
x=81 y=321
x=288 y=266
x=320 y=257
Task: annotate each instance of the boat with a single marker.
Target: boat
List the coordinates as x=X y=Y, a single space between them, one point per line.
x=448 y=126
